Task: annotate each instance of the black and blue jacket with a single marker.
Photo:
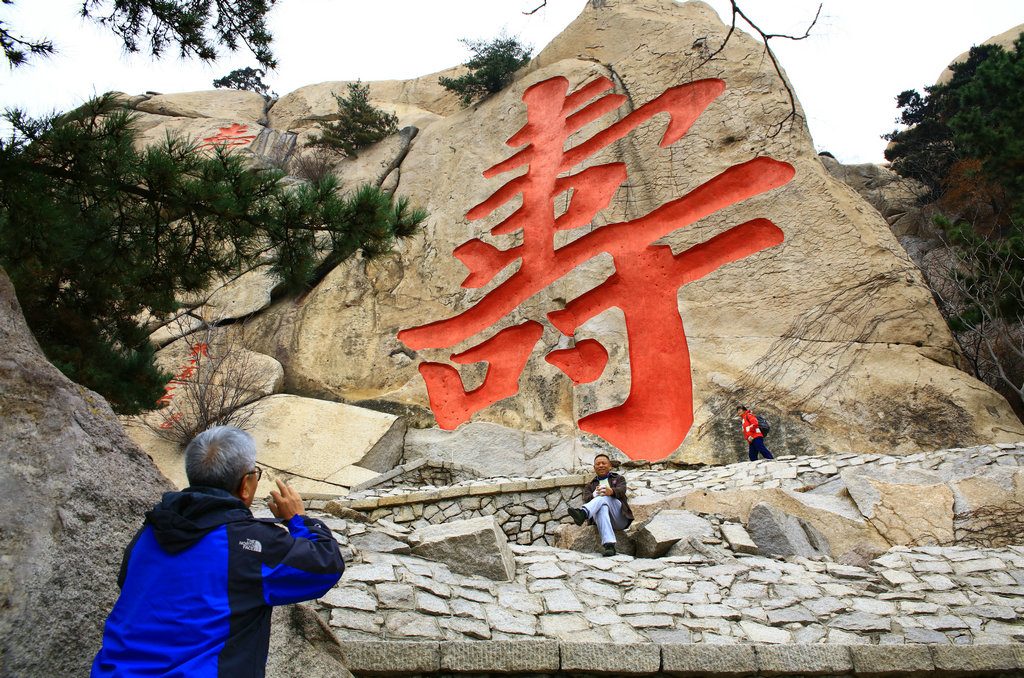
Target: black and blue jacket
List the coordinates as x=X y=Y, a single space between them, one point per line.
x=198 y=582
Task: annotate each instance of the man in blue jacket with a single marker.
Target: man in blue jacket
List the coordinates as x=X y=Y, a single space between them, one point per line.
x=200 y=578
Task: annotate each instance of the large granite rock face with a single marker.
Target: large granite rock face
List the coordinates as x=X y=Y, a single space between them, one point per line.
x=492 y=450
x=831 y=333
x=73 y=488
x=907 y=507
x=834 y=322
x=475 y=547
x=1004 y=40
x=302 y=646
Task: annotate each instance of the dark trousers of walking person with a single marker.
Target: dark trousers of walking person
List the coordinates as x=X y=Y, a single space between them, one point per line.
x=757 y=446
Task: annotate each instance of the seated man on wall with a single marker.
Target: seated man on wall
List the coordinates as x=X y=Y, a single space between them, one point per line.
x=200 y=577
x=604 y=503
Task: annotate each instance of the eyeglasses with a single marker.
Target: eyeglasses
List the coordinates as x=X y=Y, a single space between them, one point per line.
x=258 y=471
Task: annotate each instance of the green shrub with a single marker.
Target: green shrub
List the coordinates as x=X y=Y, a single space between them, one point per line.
x=359 y=123
x=491 y=68
x=246 y=79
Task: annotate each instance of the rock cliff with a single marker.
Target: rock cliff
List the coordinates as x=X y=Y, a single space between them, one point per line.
x=73 y=488
x=794 y=297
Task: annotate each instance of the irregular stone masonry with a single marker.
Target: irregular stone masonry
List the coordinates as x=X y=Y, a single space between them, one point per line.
x=941 y=610
x=419 y=473
x=924 y=595
x=529 y=510
x=540 y=503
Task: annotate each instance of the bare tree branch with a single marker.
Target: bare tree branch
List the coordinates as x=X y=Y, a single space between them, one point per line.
x=537 y=9
x=765 y=37
x=219 y=385
x=971 y=283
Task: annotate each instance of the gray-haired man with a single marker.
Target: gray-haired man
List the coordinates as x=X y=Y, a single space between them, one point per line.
x=200 y=578
x=604 y=503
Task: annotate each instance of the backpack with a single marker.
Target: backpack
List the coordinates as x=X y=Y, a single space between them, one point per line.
x=763 y=424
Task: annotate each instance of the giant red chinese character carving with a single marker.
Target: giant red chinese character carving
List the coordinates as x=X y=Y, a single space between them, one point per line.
x=658 y=412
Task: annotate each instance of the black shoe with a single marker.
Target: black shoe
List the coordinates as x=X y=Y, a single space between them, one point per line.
x=579 y=516
x=609 y=549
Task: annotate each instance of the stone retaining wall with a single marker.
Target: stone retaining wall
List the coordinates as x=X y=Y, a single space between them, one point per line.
x=529 y=510
x=949 y=596
x=550 y=657
x=921 y=598
x=419 y=473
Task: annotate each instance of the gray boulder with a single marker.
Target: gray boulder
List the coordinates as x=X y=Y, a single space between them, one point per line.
x=586 y=539
x=523 y=453
x=656 y=536
x=778 y=533
x=695 y=550
x=379 y=542
x=73 y=489
x=475 y=547
x=303 y=646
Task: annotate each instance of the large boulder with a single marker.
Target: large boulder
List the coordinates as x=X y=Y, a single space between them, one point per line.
x=988 y=505
x=836 y=517
x=221 y=103
x=778 y=533
x=73 y=489
x=318 y=447
x=473 y=446
x=647 y=505
x=993 y=487
x=239 y=297
x=476 y=547
x=586 y=539
x=906 y=506
x=895 y=197
x=657 y=535
x=1004 y=40
x=415 y=102
x=333 y=442
x=303 y=646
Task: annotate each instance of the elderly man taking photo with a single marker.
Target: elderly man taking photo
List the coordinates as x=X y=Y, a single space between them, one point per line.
x=200 y=578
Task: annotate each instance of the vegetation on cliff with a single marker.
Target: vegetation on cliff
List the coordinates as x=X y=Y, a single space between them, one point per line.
x=245 y=79
x=491 y=68
x=94 y=232
x=359 y=123
x=965 y=141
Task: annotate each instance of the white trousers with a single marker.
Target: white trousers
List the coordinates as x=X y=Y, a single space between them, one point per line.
x=606 y=512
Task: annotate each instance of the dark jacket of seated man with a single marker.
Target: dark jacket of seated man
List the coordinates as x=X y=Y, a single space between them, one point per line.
x=618 y=485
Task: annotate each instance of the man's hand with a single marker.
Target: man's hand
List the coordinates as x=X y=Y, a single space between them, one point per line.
x=285 y=503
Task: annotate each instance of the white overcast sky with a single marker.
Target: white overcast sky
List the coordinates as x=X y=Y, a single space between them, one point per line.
x=860 y=55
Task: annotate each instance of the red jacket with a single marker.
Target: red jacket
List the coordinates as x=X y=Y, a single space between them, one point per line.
x=750 y=428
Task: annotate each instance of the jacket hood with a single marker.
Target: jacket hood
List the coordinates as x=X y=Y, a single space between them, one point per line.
x=183 y=518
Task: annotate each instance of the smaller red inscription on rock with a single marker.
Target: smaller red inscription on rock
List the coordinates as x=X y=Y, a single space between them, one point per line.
x=232 y=135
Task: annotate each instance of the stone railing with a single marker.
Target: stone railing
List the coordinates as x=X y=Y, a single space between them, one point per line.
x=529 y=510
x=551 y=657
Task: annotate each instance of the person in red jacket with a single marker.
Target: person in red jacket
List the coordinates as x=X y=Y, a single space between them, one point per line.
x=752 y=432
